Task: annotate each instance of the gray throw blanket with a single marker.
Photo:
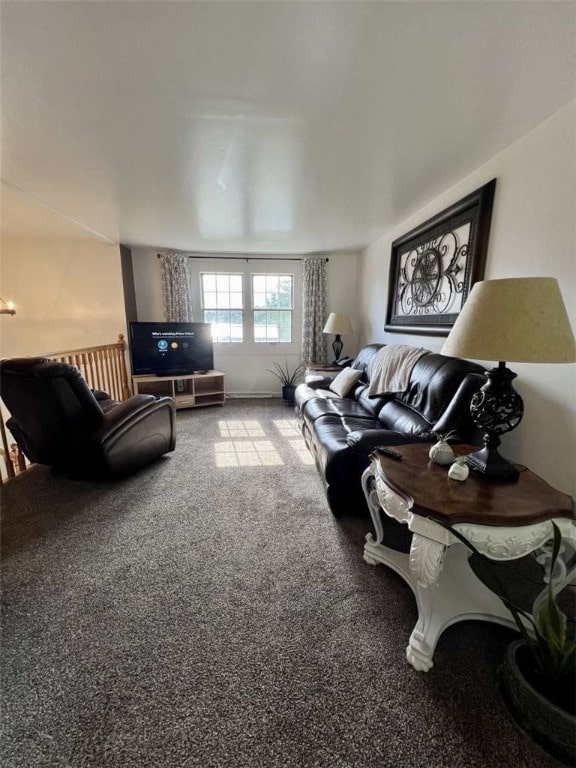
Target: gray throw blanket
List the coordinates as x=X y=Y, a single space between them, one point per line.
x=392 y=367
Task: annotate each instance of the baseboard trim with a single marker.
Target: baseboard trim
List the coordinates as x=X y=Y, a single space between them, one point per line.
x=252 y=395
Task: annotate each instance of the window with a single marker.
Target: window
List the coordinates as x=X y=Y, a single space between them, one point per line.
x=223 y=306
x=272 y=307
x=253 y=309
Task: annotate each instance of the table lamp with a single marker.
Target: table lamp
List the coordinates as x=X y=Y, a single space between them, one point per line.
x=521 y=320
x=337 y=324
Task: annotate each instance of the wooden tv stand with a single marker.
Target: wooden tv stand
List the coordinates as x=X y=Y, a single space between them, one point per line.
x=190 y=391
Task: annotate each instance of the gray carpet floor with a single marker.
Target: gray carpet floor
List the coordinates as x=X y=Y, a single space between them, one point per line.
x=209 y=612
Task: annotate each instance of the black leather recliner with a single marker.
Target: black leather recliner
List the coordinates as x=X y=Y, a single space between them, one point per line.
x=56 y=419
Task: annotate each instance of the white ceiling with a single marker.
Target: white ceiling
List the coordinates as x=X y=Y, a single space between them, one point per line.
x=282 y=127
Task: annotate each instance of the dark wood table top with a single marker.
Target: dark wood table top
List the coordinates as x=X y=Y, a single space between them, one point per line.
x=523 y=501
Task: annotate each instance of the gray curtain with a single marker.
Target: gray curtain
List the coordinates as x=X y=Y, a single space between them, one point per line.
x=314 y=348
x=176 y=291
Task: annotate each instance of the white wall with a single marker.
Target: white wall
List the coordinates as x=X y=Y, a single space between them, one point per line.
x=68 y=295
x=342 y=296
x=532 y=233
x=246 y=370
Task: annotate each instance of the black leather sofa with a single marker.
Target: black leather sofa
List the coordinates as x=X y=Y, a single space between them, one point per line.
x=56 y=419
x=341 y=432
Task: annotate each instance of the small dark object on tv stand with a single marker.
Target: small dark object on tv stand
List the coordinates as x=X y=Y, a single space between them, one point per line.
x=201 y=373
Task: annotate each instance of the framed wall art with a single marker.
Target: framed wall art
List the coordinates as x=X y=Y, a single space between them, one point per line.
x=434 y=266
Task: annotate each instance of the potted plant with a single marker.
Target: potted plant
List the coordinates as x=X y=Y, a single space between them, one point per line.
x=538 y=674
x=288 y=379
x=459 y=469
x=441 y=452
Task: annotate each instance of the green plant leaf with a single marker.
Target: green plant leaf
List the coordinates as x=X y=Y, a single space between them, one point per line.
x=283 y=374
x=558 y=651
x=552 y=623
x=545 y=630
x=520 y=616
x=445 y=438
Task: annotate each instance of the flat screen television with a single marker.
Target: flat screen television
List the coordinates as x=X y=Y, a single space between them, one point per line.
x=171 y=349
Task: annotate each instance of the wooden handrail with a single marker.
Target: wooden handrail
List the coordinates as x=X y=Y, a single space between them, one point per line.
x=103 y=367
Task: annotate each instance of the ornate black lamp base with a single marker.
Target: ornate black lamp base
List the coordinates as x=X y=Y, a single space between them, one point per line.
x=497 y=408
x=490 y=463
x=337 y=346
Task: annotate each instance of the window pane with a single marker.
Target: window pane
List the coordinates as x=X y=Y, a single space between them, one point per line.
x=260 y=318
x=272 y=326
x=259 y=283
x=222 y=283
x=285 y=292
x=272 y=299
x=218 y=301
x=222 y=329
x=282 y=322
x=285 y=301
x=270 y=295
x=278 y=290
x=236 y=283
x=272 y=303
x=285 y=326
x=229 y=326
x=208 y=282
x=260 y=327
x=236 y=326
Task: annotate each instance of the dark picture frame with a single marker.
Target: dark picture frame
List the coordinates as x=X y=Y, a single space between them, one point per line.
x=434 y=266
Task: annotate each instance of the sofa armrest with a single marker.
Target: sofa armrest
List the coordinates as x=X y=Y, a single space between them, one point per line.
x=100 y=394
x=457 y=417
x=117 y=420
x=366 y=440
x=135 y=433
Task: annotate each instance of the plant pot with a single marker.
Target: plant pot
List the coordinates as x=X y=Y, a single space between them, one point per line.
x=441 y=453
x=551 y=727
x=459 y=471
x=288 y=394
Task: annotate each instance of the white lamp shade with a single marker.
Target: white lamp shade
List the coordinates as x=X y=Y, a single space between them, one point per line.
x=338 y=323
x=519 y=320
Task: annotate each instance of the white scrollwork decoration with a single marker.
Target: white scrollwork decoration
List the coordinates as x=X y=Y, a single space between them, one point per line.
x=426 y=560
x=506 y=543
x=395 y=505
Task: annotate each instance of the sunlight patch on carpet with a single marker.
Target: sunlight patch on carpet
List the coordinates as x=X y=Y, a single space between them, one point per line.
x=246 y=453
x=300 y=449
x=287 y=427
x=240 y=428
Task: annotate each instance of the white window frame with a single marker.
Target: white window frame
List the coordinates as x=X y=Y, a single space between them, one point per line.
x=254 y=309
x=249 y=348
x=241 y=309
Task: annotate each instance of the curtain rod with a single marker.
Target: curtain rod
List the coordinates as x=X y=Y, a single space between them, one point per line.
x=241 y=258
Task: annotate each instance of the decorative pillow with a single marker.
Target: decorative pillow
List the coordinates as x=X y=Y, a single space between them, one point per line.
x=343 y=383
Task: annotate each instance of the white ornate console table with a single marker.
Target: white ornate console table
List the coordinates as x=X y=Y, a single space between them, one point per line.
x=505 y=520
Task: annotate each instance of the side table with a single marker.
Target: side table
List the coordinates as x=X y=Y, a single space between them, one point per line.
x=505 y=520
x=317 y=371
